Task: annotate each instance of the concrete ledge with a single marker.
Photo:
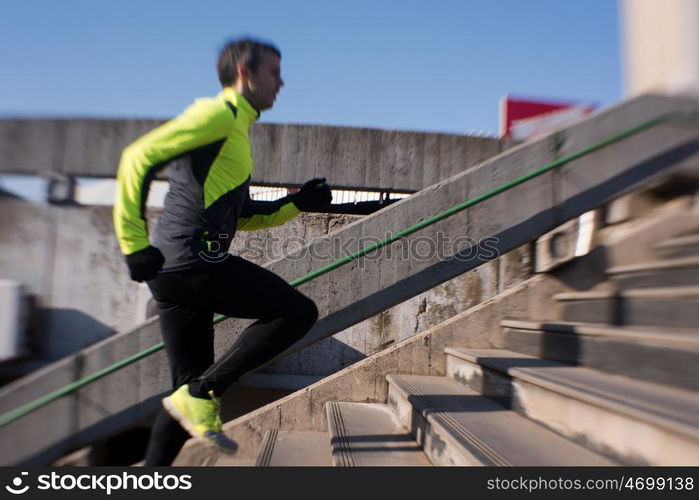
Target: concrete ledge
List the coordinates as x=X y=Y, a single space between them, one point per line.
x=284 y=154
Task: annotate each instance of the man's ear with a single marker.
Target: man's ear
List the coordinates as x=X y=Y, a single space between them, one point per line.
x=243 y=72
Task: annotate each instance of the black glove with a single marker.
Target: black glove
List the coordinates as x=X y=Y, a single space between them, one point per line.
x=145 y=264
x=314 y=195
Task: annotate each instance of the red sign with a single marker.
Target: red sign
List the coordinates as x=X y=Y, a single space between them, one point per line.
x=525 y=118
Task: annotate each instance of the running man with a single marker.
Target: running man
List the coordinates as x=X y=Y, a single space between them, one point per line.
x=187 y=266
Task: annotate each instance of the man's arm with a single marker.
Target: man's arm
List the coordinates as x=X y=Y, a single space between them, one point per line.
x=201 y=124
x=263 y=214
x=314 y=195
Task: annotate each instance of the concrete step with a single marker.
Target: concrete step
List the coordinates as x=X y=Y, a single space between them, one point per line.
x=294 y=448
x=631 y=421
x=680 y=246
x=681 y=271
x=368 y=434
x=457 y=426
x=670 y=306
x=226 y=460
x=660 y=355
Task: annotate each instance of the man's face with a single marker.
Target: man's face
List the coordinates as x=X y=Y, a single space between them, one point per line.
x=264 y=83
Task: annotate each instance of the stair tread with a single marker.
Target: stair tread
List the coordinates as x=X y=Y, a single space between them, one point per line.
x=686 y=338
x=655 y=265
x=654 y=293
x=225 y=460
x=295 y=448
x=663 y=405
x=479 y=423
x=678 y=241
x=371 y=434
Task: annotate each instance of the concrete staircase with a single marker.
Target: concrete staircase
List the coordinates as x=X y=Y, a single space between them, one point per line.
x=611 y=379
x=354 y=293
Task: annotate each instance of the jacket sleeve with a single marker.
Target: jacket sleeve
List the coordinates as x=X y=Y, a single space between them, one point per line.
x=201 y=124
x=262 y=214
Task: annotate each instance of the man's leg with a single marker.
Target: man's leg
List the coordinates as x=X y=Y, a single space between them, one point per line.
x=188 y=336
x=239 y=288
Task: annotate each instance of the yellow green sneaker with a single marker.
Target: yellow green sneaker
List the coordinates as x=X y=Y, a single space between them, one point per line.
x=200 y=417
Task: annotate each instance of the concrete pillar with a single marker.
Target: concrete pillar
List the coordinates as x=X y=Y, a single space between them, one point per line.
x=660 y=46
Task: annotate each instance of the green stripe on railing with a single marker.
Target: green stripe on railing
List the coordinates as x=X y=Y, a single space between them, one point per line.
x=19 y=412
x=13 y=415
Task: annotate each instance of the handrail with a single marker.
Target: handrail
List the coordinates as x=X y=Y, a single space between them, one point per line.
x=27 y=408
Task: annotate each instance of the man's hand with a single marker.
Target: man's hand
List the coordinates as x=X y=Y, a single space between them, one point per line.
x=314 y=195
x=145 y=264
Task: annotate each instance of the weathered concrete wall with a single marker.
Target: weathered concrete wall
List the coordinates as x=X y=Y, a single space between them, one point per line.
x=353 y=293
x=408 y=318
x=284 y=154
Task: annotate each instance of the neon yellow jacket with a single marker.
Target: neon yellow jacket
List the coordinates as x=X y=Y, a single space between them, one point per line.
x=209 y=197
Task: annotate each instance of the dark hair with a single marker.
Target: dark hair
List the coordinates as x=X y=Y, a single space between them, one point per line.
x=245 y=51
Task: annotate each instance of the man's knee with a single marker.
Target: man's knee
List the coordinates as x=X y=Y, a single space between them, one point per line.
x=305 y=316
x=309 y=311
x=302 y=311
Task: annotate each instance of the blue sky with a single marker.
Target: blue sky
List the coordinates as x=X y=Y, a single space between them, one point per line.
x=417 y=65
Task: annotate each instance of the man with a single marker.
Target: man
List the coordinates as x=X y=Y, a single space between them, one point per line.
x=188 y=268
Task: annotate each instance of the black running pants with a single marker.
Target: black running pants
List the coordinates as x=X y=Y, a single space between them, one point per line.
x=187 y=301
